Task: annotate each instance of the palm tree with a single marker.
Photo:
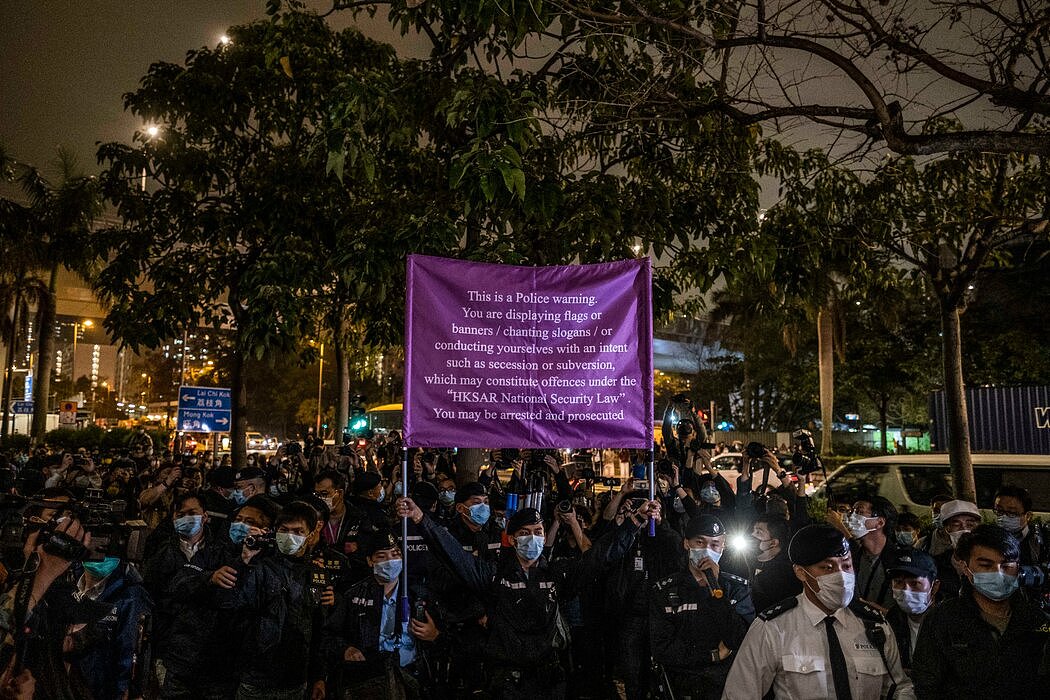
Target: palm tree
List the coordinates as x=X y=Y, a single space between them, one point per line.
x=46 y=232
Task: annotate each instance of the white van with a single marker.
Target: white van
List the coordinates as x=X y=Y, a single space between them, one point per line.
x=911 y=481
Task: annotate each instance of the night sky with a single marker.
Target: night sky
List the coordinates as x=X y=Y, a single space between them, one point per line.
x=64 y=65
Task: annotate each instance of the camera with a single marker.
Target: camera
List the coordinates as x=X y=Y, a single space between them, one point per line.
x=258 y=542
x=755 y=450
x=564 y=506
x=111 y=534
x=609 y=481
x=804 y=458
x=293 y=449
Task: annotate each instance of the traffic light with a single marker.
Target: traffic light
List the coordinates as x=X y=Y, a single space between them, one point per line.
x=357 y=425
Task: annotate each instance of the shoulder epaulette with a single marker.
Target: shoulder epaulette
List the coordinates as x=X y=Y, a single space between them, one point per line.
x=866 y=611
x=664 y=583
x=778 y=609
x=736 y=579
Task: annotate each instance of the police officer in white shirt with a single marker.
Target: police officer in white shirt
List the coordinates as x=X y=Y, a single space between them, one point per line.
x=822 y=643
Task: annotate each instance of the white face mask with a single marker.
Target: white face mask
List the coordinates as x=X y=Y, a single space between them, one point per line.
x=289 y=543
x=955 y=536
x=836 y=588
x=912 y=602
x=698 y=554
x=858 y=525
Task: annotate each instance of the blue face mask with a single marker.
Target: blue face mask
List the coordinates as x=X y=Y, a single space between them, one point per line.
x=709 y=494
x=479 y=513
x=238 y=531
x=238 y=497
x=102 y=569
x=529 y=547
x=447 y=497
x=387 y=571
x=189 y=525
x=995 y=585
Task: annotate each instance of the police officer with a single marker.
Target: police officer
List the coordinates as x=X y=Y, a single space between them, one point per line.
x=821 y=643
x=699 y=615
x=365 y=638
x=524 y=633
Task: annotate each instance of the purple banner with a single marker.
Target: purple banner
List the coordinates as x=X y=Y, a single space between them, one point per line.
x=507 y=356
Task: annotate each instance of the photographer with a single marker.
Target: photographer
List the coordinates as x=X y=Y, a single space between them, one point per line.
x=523 y=593
x=284 y=609
x=206 y=641
x=45 y=608
x=191 y=543
x=627 y=587
x=109 y=649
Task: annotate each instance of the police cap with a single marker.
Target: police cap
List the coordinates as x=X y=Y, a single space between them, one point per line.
x=704 y=526
x=815 y=543
x=526 y=516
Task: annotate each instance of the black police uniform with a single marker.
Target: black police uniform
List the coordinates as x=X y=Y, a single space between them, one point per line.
x=688 y=623
x=525 y=632
x=356 y=622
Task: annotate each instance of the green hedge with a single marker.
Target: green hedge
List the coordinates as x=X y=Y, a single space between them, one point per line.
x=92 y=437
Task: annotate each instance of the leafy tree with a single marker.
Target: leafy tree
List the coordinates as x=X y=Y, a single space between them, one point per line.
x=229 y=235
x=759 y=62
x=47 y=228
x=946 y=221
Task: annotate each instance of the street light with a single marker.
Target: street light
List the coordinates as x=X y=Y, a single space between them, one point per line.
x=149 y=387
x=224 y=40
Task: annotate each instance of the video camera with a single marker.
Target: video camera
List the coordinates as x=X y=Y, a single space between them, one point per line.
x=805 y=458
x=111 y=533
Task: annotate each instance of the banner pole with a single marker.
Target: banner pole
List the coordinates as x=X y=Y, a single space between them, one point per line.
x=652 y=490
x=405 y=610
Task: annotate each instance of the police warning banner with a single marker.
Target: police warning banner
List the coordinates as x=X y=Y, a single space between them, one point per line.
x=507 y=356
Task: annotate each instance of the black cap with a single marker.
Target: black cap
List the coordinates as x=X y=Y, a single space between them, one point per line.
x=425 y=494
x=222 y=477
x=469 y=490
x=704 y=526
x=910 y=561
x=815 y=543
x=365 y=481
x=248 y=473
x=526 y=516
x=378 y=541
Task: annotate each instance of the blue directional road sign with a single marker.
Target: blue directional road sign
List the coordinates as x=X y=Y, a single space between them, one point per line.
x=204 y=409
x=22 y=407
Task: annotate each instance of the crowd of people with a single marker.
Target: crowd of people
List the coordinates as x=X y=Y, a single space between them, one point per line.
x=173 y=576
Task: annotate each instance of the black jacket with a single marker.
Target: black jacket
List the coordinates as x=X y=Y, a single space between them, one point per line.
x=774 y=580
x=524 y=630
x=158 y=571
x=687 y=622
x=206 y=641
x=959 y=655
x=281 y=649
x=356 y=622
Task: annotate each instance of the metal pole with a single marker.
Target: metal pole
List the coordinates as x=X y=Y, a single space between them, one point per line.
x=320 y=375
x=405 y=611
x=652 y=490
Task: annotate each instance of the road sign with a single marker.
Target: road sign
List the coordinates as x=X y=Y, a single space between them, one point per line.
x=204 y=409
x=25 y=407
x=67 y=413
